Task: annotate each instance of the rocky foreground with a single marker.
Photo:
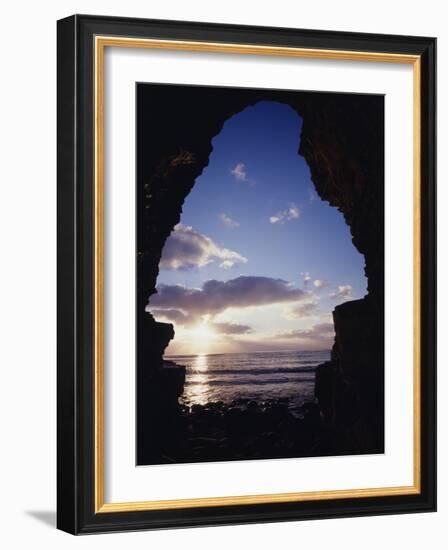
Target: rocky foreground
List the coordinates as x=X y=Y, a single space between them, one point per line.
x=332 y=424
x=242 y=430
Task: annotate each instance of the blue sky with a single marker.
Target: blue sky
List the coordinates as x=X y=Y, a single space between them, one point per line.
x=254 y=217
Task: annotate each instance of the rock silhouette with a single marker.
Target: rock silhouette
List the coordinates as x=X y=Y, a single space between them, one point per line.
x=342 y=142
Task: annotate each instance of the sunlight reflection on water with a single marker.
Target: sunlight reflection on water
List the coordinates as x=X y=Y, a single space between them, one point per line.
x=200 y=362
x=256 y=376
x=198 y=393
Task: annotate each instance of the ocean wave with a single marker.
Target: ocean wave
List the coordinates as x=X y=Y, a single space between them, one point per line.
x=241 y=382
x=257 y=376
x=251 y=372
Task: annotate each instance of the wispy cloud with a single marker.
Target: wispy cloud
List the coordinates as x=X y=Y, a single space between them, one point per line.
x=343 y=291
x=239 y=172
x=186 y=248
x=291 y=213
x=231 y=328
x=181 y=317
x=228 y=221
x=320 y=335
x=306 y=278
x=320 y=283
x=302 y=311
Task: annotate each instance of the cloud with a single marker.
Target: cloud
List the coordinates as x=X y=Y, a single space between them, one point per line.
x=306 y=278
x=317 y=283
x=172 y=315
x=228 y=264
x=181 y=317
x=231 y=328
x=187 y=249
x=291 y=213
x=321 y=334
x=227 y=221
x=217 y=296
x=344 y=291
x=239 y=172
x=301 y=311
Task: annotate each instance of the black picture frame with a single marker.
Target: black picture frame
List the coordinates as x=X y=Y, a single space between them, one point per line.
x=76 y=510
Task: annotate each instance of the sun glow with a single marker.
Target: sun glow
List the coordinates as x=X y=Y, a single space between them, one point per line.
x=203 y=333
x=201 y=338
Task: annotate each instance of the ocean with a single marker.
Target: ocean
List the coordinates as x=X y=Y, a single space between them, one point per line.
x=260 y=376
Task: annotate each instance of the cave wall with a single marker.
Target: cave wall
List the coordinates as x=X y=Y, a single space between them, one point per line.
x=342 y=142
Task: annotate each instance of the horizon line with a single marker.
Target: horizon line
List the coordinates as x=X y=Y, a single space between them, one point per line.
x=247 y=352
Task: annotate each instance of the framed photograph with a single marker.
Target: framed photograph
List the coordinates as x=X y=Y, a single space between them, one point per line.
x=246 y=267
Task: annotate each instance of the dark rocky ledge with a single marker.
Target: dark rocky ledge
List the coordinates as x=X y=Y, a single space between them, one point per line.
x=246 y=430
x=342 y=142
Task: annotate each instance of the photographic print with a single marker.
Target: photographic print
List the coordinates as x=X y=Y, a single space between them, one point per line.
x=246 y=274
x=260 y=268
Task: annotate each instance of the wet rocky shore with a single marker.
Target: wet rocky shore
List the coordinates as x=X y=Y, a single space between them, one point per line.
x=246 y=429
x=242 y=430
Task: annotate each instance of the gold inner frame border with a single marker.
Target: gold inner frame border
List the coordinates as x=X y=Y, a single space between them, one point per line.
x=100 y=43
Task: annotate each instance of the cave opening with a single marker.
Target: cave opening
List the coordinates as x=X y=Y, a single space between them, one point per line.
x=341 y=149
x=256 y=264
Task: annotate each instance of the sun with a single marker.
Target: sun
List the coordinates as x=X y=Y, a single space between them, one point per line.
x=202 y=338
x=203 y=332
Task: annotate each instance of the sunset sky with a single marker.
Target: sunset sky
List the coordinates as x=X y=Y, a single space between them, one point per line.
x=258 y=261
